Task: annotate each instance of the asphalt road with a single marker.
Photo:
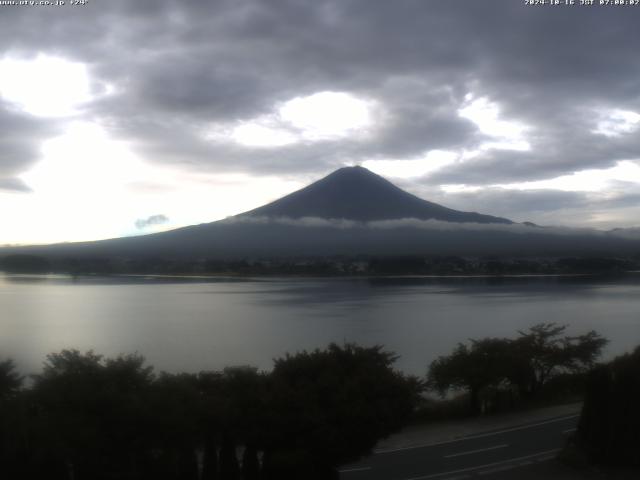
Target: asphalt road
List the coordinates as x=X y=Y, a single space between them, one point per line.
x=476 y=455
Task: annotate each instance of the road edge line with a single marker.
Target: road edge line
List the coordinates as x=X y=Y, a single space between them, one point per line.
x=472 y=437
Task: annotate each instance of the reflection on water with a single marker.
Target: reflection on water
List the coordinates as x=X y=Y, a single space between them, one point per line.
x=61 y=279
x=196 y=323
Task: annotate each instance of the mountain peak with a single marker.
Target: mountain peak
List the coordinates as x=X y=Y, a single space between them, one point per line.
x=355 y=193
x=355 y=173
x=353 y=170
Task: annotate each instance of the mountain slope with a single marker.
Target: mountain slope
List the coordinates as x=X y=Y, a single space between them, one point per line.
x=355 y=193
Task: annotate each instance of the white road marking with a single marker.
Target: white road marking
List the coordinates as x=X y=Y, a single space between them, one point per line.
x=475 y=451
x=357 y=469
x=472 y=437
x=496 y=469
x=569 y=430
x=545 y=458
x=478 y=467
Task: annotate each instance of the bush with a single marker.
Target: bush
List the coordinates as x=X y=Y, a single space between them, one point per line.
x=609 y=427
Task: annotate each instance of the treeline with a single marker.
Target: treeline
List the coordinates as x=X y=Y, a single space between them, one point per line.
x=328 y=266
x=499 y=373
x=89 y=417
x=85 y=416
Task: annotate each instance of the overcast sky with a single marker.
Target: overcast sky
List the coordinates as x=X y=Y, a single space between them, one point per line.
x=123 y=117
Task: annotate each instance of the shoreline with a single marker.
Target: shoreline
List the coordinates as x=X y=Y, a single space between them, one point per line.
x=256 y=277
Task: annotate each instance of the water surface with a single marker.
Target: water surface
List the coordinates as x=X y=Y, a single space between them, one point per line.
x=199 y=324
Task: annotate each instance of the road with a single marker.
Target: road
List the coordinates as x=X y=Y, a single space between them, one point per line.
x=475 y=455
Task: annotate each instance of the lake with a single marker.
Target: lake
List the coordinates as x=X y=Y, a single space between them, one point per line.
x=202 y=324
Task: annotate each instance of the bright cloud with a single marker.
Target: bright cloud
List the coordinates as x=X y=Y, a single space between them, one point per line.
x=79 y=186
x=460 y=188
x=585 y=181
x=615 y=123
x=45 y=86
x=327 y=115
x=314 y=118
x=507 y=135
x=432 y=161
x=88 y=186
x=595 y=180
x=83 y=161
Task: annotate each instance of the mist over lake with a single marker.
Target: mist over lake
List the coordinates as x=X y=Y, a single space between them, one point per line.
x=204 y=324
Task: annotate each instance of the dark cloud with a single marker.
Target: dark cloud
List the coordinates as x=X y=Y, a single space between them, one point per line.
x=151 y=221
x=520 y=202
x=20 y=139
x=618 y=206
x=13 y=185
x=180 y=67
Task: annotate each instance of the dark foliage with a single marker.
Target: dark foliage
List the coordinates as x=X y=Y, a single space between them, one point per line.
x=95 y=418
x=595 y=265
x=10 y=380
x=481 y=365
x=331 y=406
x=315 y=265
x=520 y=368
x=609 y=427
x=21 y=263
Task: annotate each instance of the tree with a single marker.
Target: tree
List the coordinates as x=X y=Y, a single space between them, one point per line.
x=10 y=380
x=174 y=422
x=91 y=417
x=546 y=353
x=609 y=427
x=211 y=419
x=526 y=363
x=12 y=429
x=91 y=413
x=473 y=368
x=243 y=392
x=329 y=407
